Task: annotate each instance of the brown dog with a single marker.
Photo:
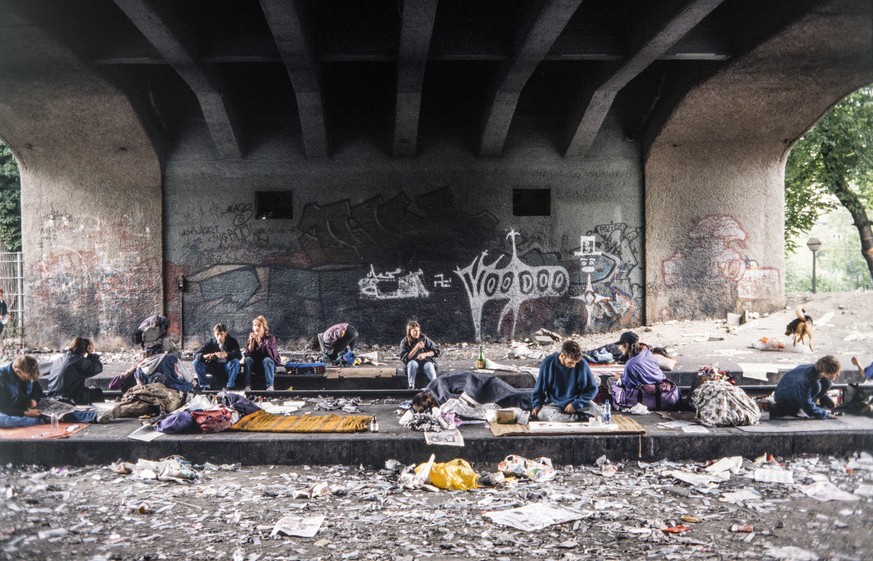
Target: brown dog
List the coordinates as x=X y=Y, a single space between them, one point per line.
x=801 y=327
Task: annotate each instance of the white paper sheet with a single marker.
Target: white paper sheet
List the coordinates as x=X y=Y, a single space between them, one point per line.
x=535 y=516
x=303 y=527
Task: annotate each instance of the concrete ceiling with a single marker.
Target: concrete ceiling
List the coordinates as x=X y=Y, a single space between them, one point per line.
x=403 y=74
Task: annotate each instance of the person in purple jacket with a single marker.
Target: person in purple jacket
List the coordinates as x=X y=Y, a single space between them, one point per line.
x=641 y=367
x=565 y=387
x=261 y=353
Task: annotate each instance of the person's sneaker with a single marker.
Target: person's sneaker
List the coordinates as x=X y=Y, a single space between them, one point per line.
x=106 y=416
x=270 y=388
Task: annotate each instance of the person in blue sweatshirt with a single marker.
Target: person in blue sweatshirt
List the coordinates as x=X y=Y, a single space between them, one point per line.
x=565 y=387
x=801 y=387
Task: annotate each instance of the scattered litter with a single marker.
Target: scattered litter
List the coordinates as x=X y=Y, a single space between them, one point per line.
x=535 y=516
x=450 y=437
x=303 y=527
x=695 y=429
x=146 y=433
x=740 y=496
x=733 y=464
x=790 y=553
x=767 y=475
x=539 y=469
x=827 y=491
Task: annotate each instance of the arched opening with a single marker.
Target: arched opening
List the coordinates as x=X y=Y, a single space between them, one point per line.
x=11 y=262
x=829 y=198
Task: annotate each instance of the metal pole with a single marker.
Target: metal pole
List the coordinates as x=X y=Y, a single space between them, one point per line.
x=20 y=297
x=813 y=272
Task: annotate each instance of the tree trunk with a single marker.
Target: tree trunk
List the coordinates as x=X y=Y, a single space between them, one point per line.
x=859 y=215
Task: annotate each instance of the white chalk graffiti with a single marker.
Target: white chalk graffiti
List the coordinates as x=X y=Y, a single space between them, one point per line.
x=440 y=281
x=409 y=285
x=516 y=282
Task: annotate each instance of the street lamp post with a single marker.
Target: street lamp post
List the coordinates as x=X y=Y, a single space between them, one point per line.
x=814 y=244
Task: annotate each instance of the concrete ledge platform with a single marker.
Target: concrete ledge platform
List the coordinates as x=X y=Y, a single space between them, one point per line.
x=104 y=444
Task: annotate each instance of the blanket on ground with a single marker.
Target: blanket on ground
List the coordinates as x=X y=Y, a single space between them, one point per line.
x=261 y=421
x=484 y=388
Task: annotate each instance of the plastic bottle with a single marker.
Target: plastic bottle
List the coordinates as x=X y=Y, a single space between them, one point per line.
x=607 y=412
x=480 y=362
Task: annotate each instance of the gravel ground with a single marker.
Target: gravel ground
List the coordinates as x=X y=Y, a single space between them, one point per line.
x=622 y=511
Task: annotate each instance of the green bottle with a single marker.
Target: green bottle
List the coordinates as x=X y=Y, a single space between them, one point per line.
x=480 y=362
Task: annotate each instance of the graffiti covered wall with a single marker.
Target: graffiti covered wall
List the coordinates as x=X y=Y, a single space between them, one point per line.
x=435 y=240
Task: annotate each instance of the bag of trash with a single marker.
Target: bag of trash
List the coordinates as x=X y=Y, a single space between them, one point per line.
x=539 y=469
x=455 y=475
x=180 y=421
x=722 y=404
x=215 y=420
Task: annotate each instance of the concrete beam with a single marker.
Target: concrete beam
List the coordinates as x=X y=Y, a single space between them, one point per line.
x=545 y=27
x=285 y=22
x=415 y=33
x=165 y=31
x=596 y=105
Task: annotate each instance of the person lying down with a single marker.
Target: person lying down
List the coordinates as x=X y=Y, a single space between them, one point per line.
x=481 y=388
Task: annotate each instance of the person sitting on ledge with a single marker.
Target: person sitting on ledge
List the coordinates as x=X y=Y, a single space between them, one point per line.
x=261 y=353
x=565 y=387
x=800 y=388
x=220 y=355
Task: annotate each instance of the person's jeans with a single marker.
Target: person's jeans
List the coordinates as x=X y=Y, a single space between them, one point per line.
x=551 y=413
x=80 y=417
x=412 y=368
x=229 y=369
x=268 y=366
x=14 y=421
x=348 y=341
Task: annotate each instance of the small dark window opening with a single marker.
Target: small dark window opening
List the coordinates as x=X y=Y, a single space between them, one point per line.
x=273 y=205
x=531 y=202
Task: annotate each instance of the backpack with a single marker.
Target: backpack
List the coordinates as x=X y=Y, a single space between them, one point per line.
x=858 y=399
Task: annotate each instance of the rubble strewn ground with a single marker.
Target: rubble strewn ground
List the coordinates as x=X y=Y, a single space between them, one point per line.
x=665 y=510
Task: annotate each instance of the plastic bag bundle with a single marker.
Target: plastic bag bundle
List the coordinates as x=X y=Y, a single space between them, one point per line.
x=456 y=475
x=539 y=469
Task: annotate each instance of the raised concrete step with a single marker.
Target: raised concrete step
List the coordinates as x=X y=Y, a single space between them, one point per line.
x=103 y=444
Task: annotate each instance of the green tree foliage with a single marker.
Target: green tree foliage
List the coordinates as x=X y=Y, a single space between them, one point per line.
x=10 y=201
x=833 y=164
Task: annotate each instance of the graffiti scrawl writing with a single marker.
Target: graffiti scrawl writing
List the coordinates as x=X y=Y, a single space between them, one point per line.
x=515 y=282
x=392 y=285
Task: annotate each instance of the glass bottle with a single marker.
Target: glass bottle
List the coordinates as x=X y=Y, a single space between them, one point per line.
x=480 y=362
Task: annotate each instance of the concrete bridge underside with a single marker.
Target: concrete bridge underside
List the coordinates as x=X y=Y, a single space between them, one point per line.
x=488 y=167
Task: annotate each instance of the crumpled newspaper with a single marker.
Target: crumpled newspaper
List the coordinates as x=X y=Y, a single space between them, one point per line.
x=173 y=468
x=333 y=403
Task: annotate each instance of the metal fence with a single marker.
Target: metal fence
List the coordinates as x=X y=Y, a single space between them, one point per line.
x=12 y=282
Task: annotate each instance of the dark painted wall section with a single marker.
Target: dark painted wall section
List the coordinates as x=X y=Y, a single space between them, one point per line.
x=376 y=241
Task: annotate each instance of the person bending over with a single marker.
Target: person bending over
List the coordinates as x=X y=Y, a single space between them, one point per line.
x=220 y=356
x=800 y=388
x=336 y=341
x=565 y=387
x=418 y=352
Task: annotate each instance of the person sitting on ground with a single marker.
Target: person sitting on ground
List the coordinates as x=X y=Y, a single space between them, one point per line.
x=71 y=371
x=220 y=356
x=866 y=373
x=565 y=387
x=336 y=341
x=641 y=367
x=800 y=388
x=20 y=393
x=418 y=352
x=261 y=353
x=482 y=388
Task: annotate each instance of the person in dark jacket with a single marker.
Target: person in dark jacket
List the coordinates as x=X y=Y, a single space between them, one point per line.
x=565 y=387
x=418 y=352
x=261 y=353
x=220 y=356
x=800 y=388
x=70 y=373
x=20 y=394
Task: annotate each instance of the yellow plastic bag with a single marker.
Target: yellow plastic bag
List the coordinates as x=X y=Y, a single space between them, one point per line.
x=456 y=474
